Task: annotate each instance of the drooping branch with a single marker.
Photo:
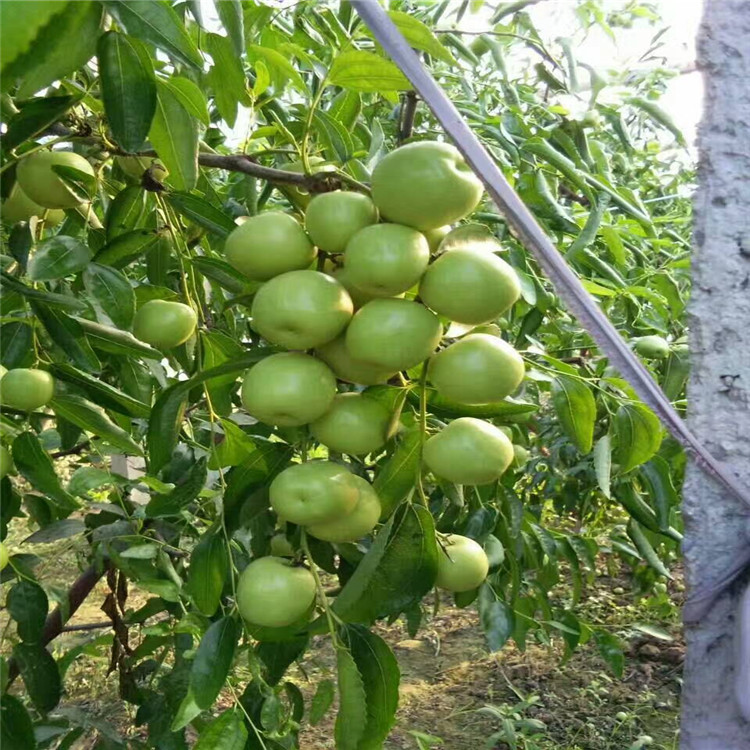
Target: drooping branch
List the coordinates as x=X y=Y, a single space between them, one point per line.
x=53 y=626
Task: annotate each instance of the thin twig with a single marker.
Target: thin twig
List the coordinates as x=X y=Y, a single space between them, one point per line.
x=74 y=451
x=408 y=111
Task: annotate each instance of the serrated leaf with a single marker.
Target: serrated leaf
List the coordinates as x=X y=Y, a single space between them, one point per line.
x=379 y=672
x=40 y=675
x=92 y=418
x=128 y=88
x=227 y=731
x=322 y=701
x=213 y=660
x=352 y=715
x=575 y=407
x=397 y=571
x=36 y=467
x=58 y=257
x=174 y=133
x=157 y=23
x=638 y=433
x=359 y=70
x=27 y=605
x=209 y=568
x=111 y=291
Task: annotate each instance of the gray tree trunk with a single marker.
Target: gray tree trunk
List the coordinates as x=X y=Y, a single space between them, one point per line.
x=716 y=524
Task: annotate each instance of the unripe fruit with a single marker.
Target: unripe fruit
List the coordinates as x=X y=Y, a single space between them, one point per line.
x=361 y=521
x=26 y=389
x=652 y=347
x=313 y=492
x=425 y=185
x=135 y=166
x=332 y=219
x=462 y=563
x=288 y=389
x=4 y=556
x=281 y=546
x=273 y=593
x=336 y=355
x=393 y=334
x=297 y=195
x=477 y=369
x=43 y=185
x=468 y=451
x=469 y=286
x=520 y=456
x=359 y=297
x=164 y=324
x=355 y=424
x=435 y=236
x=301 y=309
x=267 y=245
x=386 y=259
x=19 y=207
x=6 y=462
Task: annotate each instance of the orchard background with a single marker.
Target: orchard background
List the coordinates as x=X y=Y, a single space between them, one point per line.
x=571 y=641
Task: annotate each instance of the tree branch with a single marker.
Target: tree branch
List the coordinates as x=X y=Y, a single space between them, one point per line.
x=75 y=450
x=53 y=626
x=408 y=111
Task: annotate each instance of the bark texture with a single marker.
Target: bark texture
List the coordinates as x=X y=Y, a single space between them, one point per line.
x=719 y=396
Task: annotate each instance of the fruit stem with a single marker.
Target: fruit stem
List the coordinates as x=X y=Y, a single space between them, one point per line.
x=330 y=615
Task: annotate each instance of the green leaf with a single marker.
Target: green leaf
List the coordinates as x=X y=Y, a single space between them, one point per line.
x=379 y=673
x=352 y=715
x=169 y=409
x=115 y=341
x=27 y=604
x=80 y=183
x=397 y=571
x=644 y=546
x=86 y=478
x=277 y=62
x=227 y=731
x=16 y=729
x=443 y=407
x=40 y=675
x=334 y=136
x=219 y=348
x=111 y=292
x=190 y=96
x=174 y=133
x=94 y=419
x=603 y=464
x=396 y=477
x=209 y=568
x=610 y=648
x=127 y=247
x=639 y=435
x=223 y=274
x=661 y=489
x=17 y=342
x=496 y=616
x=36 y=467
x=157 y=23
x=8 y=283
x=226 y=77
x=34 y=117
x=68 y=334
x=575 y=407
x=365 y=71
x=20 y=24
x=213 y=660
x=126 y=211
x=420 y=37
x=202 y=212
x=182 y=495
x=128 y=88
x=58 y=257
x=63 y=529
x=322 y=701
x=230 y=15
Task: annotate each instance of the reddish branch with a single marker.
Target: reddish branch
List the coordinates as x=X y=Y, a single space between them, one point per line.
x=53 y=626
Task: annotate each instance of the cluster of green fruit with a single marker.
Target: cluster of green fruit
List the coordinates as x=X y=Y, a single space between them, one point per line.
x=374 y=310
